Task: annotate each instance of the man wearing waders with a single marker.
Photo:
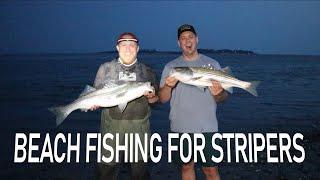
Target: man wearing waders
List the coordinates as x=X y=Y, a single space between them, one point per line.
x=135 y=117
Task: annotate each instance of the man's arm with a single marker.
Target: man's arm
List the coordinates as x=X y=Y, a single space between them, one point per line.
x=165 y=91
x=221 y=97
x=98 y=81
x=218 y=93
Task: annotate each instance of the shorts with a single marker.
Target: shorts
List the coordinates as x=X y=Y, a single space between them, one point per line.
x=208 y=151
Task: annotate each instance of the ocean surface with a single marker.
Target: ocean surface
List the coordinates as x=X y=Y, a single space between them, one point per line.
x=288 y=101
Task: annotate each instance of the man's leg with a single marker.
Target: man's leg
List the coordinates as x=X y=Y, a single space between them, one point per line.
x=139 y=171
x=211 y=173
x=187 y=169
x=210 y=168
x=111 y=169
x=188 y=172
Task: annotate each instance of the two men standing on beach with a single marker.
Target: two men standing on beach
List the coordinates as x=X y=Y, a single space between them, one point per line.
x=192 y=110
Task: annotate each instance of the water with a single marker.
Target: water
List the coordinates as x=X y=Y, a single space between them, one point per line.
x=288 y=95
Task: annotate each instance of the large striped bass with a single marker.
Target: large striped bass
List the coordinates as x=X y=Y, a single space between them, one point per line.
x=108 y=96
x=203 y=77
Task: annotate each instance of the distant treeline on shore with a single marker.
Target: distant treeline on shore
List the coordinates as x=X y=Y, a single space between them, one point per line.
x=220 y=51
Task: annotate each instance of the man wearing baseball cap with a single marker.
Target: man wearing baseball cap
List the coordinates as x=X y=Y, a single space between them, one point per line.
x=135 y=117
x=192 y=110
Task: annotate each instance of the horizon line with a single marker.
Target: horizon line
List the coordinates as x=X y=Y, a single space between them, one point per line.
x=153 y=51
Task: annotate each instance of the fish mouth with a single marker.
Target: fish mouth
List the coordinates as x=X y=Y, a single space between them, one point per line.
x=183 y=70
x=172 y=72
x=149 y=87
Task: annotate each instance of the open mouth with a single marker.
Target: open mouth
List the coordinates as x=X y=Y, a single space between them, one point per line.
x=188 y=47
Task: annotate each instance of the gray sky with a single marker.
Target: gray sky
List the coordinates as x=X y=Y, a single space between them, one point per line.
x=280 y=27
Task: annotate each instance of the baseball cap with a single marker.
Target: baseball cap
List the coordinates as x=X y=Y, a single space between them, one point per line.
x=124 y=37
x=186 y=27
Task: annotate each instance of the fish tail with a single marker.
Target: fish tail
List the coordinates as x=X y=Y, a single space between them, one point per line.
x=60 y=112
x=252 y=88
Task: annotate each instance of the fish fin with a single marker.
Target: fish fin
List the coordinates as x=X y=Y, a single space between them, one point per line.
x=122 y=107
x=88 y=89
x=227 y=70
x=252 y=87
x=60 y=112
x=227 y=87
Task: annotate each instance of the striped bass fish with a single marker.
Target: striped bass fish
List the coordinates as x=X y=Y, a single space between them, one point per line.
x=108 y=96
x=203 y=77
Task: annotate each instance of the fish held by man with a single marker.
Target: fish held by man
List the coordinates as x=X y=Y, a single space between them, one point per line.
x=203 y=77
x=108 y=96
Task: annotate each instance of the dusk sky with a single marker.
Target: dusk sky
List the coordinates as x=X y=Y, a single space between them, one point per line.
x=277 y=27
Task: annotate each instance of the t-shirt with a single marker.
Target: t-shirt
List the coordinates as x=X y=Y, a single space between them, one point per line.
x=116 y=72
x=193 y=109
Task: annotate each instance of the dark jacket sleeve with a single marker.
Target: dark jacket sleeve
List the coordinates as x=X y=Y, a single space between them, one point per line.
x=100 y=77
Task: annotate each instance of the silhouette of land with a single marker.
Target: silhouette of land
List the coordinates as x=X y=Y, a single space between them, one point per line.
x=220 y=51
